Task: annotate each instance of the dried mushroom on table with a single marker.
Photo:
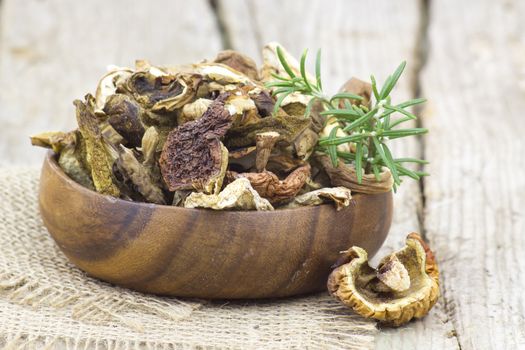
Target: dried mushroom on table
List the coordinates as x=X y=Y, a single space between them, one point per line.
x=225 y=134
x=405 y=285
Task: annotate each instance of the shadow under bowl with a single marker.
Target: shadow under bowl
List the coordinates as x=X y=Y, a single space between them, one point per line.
x=204 y=253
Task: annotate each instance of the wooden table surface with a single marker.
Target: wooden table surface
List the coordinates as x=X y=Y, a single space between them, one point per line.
x=467 y=57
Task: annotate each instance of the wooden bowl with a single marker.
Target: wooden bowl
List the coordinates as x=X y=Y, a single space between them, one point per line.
x=204 y=253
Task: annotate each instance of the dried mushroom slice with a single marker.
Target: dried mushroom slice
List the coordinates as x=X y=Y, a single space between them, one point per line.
x=269 y=186
x=56 y=140
x=162 y=93
x=341 y=197
x=71 y=157
x=125 y=116
x=288 y=127
x=264 y=146
x=239 y=62
x=222 y=74
x=139 y=175
x=194 y=110
x=98 y=160
x=358 y=87
x=238 y=195
x=405 y=285
x=108 y=85
x=263 y=101
x=193 y=155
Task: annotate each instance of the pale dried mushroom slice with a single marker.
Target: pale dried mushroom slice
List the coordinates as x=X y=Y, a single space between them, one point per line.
x=269 y=186
x=340 y=196
x=405 y=285
x=238 y=195
x=222 y=74
x=108 y=85
x=193 y=157
x=194 y=110
x=264 y=146
x=55 y=140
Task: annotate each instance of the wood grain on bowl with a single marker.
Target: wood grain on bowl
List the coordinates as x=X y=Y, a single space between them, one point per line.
x=204 y=253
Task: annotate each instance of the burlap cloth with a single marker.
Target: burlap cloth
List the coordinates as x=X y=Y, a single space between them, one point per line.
x=46 y=302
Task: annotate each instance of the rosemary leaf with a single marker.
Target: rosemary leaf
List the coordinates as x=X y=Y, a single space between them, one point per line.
x=341 y=112
x=400 y=110
x=303 y=70
x=374 y=87
x=345 y=95
x=361 y=120
x=359 y=161
x=390 y=163
x=387 y=88
x=318 y=70
x=394 y=134
x=285 y=65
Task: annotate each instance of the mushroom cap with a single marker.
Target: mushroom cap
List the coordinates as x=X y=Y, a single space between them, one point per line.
x=361 y=287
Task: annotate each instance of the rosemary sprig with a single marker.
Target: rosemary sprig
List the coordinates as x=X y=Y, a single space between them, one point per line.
x=368 y=131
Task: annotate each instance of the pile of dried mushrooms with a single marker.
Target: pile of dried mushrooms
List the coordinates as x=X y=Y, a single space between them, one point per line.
x=203 y=135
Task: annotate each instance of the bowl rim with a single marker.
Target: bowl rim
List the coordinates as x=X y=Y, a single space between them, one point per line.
x=50 y=159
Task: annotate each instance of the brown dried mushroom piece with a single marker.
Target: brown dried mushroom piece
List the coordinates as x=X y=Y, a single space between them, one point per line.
x=193 y=155
x=239 y=62
x=124 y=115
x=269 y=186
x=405 y=285
x=288 y=127
x=358 y=87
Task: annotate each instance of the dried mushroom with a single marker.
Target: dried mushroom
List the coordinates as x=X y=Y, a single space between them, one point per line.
x=55 y=140
x=405 y=284
x=288 y=127
x=239 y=62
x=269 y=186
x=238 y=195
x=341 y=197
x=97 y=157
x=139 y=176
x=164 y=92
x=108 y=85
x=358 y=87
x=264 y=146
x=124 y=115
x=194 y=110
x=193 y=155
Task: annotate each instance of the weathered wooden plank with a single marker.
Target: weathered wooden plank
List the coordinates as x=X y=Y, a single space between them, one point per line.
x=475 y=78
x=357 y=38
x=54 y=51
